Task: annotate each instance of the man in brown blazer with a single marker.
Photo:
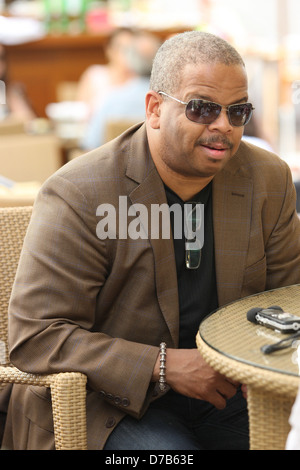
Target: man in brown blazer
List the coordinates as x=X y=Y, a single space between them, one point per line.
x=97 y=292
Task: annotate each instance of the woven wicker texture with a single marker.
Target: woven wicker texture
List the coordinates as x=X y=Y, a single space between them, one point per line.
x=68 y=390
x=231 y=345
x=229 y=331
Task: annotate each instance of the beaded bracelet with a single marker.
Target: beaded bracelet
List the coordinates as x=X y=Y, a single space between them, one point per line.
x=162 y=373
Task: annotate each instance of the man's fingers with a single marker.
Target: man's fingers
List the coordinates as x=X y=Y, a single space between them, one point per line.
x=219 y=400
x=233 y=382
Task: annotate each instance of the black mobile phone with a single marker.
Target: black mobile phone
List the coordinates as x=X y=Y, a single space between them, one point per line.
x=275 y=318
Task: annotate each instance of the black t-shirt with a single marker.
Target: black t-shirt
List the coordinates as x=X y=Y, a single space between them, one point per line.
x=196 y=287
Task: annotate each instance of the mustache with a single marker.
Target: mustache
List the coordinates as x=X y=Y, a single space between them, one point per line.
x=215 y=140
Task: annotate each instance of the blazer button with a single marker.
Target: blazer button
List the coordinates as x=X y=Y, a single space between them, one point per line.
x=125 y=402
x=110 y=422
x=117 y=400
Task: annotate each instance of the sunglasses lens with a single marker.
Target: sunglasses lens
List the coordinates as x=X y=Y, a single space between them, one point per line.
x=240 y=114
x=202 y=112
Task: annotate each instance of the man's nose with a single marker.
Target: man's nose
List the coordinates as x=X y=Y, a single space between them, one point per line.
x=222 y=122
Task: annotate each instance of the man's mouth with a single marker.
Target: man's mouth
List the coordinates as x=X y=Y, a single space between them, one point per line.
x=215 y=144
x=216 y=149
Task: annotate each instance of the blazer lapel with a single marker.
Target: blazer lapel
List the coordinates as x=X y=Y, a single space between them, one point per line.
x=150 y=192
x=232 y=202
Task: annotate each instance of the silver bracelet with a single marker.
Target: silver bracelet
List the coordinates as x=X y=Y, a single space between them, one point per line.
x=162 y=372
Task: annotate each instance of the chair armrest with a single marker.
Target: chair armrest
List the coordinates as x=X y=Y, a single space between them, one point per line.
x=68 y=395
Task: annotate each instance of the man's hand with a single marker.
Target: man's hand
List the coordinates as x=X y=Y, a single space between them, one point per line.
x=188 y=374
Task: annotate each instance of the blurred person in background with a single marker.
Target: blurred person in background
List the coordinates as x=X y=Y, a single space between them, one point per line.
x=126 y=102
x=98 y=80
x=17 y=106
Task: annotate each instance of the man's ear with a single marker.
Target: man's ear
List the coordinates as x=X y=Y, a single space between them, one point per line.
x=153 y=103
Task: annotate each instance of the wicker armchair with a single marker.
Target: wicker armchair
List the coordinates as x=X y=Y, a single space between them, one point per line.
x=68 y=390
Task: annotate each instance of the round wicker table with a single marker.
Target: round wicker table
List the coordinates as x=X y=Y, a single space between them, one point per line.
x=232 y=345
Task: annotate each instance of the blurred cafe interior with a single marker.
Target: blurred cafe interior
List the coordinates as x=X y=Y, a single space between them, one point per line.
x=59 y=62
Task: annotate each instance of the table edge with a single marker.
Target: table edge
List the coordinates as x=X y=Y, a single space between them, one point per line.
x=259 y=377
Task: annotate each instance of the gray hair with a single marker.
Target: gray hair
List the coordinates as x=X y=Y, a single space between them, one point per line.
x=192 y=47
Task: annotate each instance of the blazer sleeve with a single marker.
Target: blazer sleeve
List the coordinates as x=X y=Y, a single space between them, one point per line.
x=62 y=269
x=283 y=242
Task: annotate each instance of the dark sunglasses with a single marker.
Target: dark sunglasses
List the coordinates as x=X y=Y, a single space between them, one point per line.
x=206 y=112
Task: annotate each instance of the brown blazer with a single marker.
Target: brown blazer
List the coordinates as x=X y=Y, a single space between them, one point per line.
x=103 y=306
